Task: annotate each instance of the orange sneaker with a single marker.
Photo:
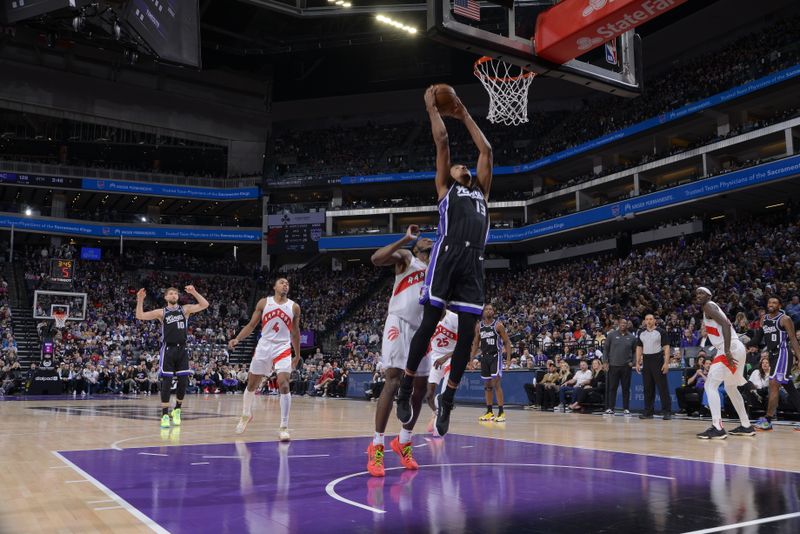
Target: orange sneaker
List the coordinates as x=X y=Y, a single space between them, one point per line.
x=404 y=451
x=375 y=461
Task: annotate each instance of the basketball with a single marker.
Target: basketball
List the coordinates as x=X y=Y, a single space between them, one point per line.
x=445 y=98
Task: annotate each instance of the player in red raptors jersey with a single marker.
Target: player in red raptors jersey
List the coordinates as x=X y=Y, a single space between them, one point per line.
x=405 y=315
x=440 y=352
x=280 y=339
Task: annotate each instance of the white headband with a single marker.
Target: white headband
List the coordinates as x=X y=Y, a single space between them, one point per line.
x=704 y=290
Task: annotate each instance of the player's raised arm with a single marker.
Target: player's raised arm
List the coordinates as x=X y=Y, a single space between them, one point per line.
x=394 y=253
x=255 y=319
x=201 y=305
x=146 y=315
x=485 y=157
x=295 y=335
x=440 y=139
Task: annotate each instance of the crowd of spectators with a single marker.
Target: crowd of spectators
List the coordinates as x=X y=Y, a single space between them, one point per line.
x=368 y=149
x=564 y=311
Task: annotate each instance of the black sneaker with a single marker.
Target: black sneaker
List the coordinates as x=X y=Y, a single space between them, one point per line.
x=404 y=411
x=713 y=433
x=667 y=416
x=443 y=409
x=743 y=431
x=645 y=416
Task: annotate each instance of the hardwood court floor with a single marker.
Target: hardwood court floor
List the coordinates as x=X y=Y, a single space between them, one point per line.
x=550 y=468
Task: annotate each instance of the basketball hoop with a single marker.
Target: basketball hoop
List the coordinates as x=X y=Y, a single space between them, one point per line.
x=507 y=85
x=60 y=317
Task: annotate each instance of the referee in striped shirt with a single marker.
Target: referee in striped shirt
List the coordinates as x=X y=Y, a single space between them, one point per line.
x=652 y=361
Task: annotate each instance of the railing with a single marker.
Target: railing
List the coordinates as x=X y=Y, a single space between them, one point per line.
x=131 y=176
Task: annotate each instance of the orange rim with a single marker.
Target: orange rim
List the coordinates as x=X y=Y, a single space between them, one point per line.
x=485 y=59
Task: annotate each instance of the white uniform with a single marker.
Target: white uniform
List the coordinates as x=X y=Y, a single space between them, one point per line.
x=443 y=342
x=719 y=368
x=274 y=348
x=405 y=316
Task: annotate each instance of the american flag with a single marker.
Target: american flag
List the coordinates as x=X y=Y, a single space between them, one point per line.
x=468 y=8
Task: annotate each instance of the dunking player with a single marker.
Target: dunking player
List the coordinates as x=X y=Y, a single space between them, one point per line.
x=777 y=332
x=174 y=358
x=280 y=337
x=439 y=354
x=492 y=339
x=455 y=274
x=727 y=367
x=405 y=314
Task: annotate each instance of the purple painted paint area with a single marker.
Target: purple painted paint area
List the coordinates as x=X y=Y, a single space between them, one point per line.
x=465 y=484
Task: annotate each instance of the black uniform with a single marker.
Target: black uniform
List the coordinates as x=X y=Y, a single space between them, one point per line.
x=174 y=356
x=455 y=272
x=652 y=343
x=776 y=341
x=491 y=348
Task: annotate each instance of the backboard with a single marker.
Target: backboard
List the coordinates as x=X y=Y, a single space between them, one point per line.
x=511 y=35
x=47 y=302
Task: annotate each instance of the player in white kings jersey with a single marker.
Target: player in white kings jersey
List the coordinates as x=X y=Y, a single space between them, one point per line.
x=278 y=348
x=439 y=353
x=727 y=367
x=405 y=315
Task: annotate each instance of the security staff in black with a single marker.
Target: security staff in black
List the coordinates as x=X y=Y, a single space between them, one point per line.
x=455 y=272
x=174 y=358
x=652 y=361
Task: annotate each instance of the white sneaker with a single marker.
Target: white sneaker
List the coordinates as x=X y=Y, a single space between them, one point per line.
x=283 y=434
x=609 y=412
x=242 y=424
x=627 y=412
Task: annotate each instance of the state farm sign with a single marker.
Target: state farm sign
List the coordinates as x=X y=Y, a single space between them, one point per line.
x=573 y=27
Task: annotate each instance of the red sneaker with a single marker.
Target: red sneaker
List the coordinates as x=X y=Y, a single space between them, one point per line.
x=404 y=451
x=375 y=461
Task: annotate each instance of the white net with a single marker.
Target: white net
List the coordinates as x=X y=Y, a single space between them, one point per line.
x=507 y=85
x=60 y=317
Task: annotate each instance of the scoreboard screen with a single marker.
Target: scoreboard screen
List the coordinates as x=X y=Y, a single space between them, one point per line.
x=62 y=270
x=295 y=232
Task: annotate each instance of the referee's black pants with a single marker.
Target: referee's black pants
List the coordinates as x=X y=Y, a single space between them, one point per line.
x=618 y=374
x=653 y=378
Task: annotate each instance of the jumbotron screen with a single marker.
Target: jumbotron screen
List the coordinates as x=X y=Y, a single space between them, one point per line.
x=169 y=27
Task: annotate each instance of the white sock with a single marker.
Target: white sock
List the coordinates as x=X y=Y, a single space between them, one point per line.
x=714 y=403
x=247 y=404
x=286 y=403
x=378 y=439
x=738 y=403
x=405 y=435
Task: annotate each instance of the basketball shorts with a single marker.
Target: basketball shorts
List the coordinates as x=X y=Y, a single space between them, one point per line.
x=491 y=366
x=174 y=361
x=455 y=278
x=781 y=364
x=271 y=356
x=721 y=372
x=443 y=372
x=396 y=341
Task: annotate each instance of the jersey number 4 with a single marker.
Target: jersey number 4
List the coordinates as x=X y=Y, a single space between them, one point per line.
x=275 y=327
